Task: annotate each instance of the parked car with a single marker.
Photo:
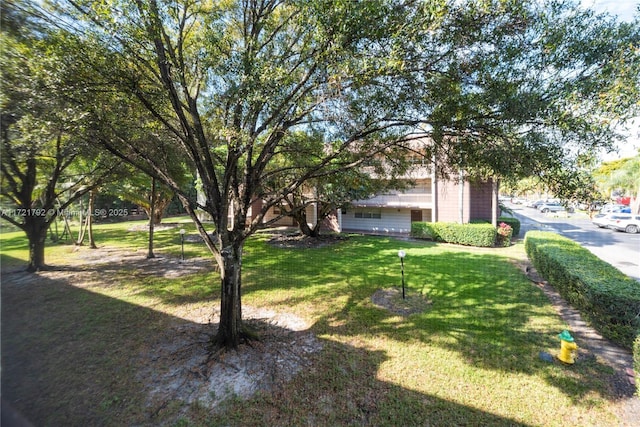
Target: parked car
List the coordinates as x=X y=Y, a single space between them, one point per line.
x=626 y=223
x=553 y=207
x=613 y=207
x=603 y=220
x=536 y=203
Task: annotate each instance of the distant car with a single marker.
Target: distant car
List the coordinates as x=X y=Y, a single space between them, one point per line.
x=612 y=207
x=535 y=203
x=626 y=223
x=603 y=220
x=553 y=207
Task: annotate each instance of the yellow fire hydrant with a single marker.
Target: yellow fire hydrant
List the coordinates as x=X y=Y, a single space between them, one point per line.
x=568 y=348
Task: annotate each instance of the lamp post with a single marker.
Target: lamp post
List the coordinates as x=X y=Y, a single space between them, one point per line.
x=402 y=254
x=182 y=231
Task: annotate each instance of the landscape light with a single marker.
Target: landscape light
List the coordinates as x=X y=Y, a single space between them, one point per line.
x=402 y=254
x=182 y=231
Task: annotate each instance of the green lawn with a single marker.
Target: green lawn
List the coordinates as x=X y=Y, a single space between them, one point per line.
x=472 y=358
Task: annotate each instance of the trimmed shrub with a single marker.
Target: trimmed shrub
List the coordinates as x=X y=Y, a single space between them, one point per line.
x=511 y=221
x=422 y=230
x=504 y=234
x=606 y=297
x=463 y=234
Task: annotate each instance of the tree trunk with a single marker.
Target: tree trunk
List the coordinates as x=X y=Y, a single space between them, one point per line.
x=495 y=190
x=157 y=215
x=83 y=228
x=36 y=230
x=158 y=210
x=230 y=330
x=92 y=198
x=301 y=218
x=151 y=219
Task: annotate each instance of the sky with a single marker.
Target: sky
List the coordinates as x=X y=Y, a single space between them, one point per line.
x=624 y=10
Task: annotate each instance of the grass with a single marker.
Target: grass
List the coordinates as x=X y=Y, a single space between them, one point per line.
x=471 y=358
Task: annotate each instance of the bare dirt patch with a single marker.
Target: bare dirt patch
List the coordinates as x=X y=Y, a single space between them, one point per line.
x=114 y=259
x=180 y=368
x=297 y=240
x=391 y=299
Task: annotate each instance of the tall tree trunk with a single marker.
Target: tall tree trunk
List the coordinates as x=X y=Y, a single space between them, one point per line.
x=151 y=219
x=67 y=228
x=227 y=248
x=158 y=210
x=36 y=229
x=83 y=226
x=495 y=190
x=92 y=198
x=230 y=330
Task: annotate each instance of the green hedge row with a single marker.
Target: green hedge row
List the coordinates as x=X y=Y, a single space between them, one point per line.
x=605 y=296
x=462 y=234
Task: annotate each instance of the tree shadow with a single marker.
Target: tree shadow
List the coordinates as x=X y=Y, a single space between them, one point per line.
x=477 y=311
x=75 y=357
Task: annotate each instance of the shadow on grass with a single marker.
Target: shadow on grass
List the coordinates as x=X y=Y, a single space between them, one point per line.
x=74 y=357
x=342 y=388
x=11 y=264
x=484 y=308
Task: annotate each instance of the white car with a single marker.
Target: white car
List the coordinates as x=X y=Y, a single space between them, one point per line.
x=603 y=220
x=553 y=207
x=626 y=222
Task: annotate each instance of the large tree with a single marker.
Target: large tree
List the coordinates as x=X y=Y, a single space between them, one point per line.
x=230 y=80
x=42 y=136
x=499 y=87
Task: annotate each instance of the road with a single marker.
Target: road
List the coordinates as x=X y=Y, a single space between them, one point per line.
x=622 y=250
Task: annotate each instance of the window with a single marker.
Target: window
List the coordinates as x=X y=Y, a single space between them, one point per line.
x=368 y=215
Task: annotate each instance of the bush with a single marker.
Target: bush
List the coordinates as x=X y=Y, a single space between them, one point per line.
x=504 y=233
x=511 y=221
x=463 y=234
x=422 y=230
x=605 y=296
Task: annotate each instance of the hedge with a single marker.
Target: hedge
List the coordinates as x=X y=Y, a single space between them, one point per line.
x=512 y=221
x=450 y=232
x=605 y=296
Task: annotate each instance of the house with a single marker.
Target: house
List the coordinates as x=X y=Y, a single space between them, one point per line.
x=429 y=199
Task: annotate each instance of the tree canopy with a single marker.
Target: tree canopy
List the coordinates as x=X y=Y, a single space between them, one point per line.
x=47 y=159
x=500 y=88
